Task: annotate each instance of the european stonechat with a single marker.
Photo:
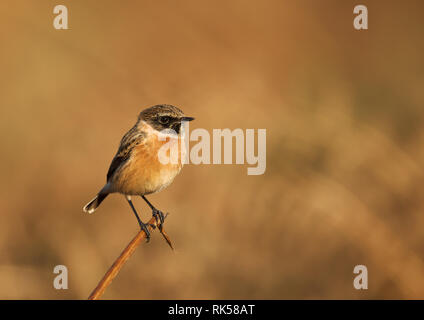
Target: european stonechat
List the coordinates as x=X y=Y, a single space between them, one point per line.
x=136 y=169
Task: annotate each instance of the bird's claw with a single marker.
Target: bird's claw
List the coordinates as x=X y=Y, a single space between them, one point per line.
x=160 y=218
x=146 y=231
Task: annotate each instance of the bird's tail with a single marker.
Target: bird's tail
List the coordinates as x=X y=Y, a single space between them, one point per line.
x=93 y=204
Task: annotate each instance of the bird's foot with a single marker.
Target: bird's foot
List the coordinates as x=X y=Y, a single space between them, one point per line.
x=160 y=218
x=143 y=227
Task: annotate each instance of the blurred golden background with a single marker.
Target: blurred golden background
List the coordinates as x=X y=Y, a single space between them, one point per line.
x=343 y=111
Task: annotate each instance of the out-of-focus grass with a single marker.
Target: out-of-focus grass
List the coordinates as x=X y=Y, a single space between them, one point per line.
x=343 y=113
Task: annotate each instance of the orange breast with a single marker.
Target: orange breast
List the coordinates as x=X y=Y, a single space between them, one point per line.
x=144 y=173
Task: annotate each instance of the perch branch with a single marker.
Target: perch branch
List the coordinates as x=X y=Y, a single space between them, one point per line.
x=123 y=257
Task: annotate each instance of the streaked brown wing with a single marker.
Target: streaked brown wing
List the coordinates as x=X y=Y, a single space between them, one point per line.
x=131 y=139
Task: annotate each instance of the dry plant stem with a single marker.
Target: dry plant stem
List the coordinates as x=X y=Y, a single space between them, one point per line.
x=123 y=257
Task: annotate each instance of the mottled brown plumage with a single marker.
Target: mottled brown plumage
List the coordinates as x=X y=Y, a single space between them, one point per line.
x=131 y=139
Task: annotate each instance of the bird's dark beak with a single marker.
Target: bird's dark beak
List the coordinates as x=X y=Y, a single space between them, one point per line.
x=187 y=119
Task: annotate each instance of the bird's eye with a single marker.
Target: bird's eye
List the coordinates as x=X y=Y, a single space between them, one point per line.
x=164 y=119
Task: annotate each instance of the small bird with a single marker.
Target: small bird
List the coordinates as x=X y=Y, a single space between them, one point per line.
x=136 y=169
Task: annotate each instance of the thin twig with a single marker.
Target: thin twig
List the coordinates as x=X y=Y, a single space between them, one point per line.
x=123 y=257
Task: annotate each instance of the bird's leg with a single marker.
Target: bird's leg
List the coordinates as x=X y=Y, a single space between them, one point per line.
x=156 y=213
x=142 y=225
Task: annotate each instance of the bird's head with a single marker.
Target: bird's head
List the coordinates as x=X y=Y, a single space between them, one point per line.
x=164 y=116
